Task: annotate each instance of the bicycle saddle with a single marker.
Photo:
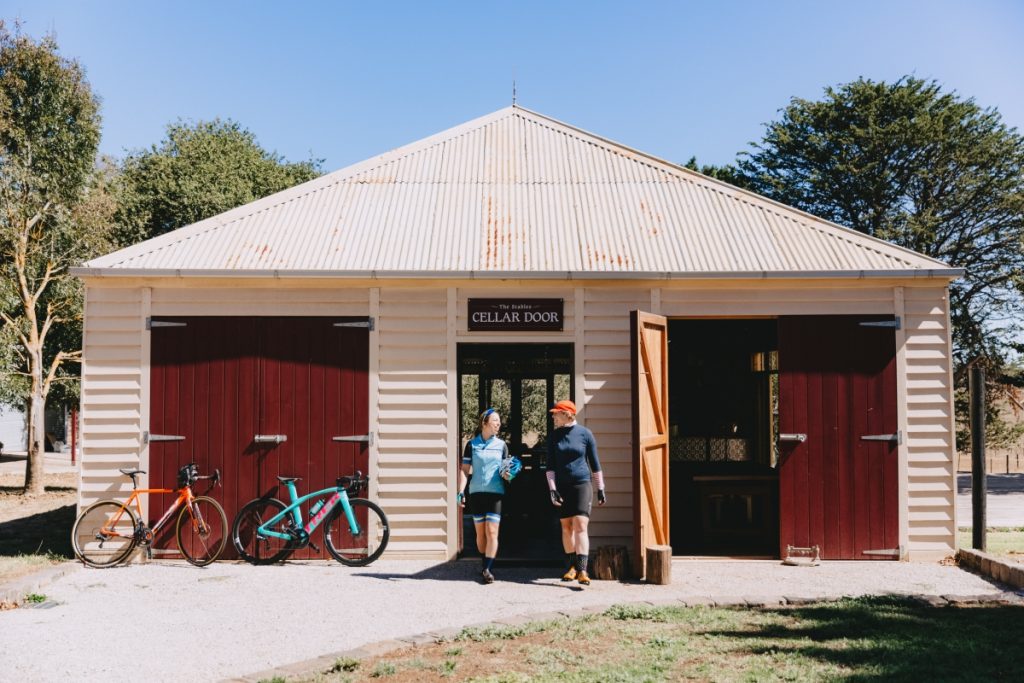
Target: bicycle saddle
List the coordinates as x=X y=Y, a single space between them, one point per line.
x=130 y=472
x=285 y=480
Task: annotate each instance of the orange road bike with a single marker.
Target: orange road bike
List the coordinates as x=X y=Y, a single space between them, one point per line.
x=106 y=532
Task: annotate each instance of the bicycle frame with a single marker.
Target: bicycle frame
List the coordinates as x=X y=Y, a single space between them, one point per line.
x=340 y=497
x=185 y=497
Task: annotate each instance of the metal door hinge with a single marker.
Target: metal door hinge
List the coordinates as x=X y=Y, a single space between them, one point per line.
x=150 y=323
x=270 y=438
x=368 y=323
x=894 y=323
x=793 y=437
x=897 y=437
x=150 y=438
x=360 y=438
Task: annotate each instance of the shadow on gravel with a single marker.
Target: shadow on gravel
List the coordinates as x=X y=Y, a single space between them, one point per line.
x=469 y=572
x=46 y=532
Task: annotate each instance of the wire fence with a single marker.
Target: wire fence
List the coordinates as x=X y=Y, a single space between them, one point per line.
x=997 y=460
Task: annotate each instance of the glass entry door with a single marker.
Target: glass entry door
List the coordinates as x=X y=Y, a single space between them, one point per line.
x=521 y=382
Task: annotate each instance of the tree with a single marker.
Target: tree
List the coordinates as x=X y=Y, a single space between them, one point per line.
x=198 y=171
x=924 y=169
x=49 y=134
x=728 y=173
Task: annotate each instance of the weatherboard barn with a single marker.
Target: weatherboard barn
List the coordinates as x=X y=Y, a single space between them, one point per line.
x=755 y=377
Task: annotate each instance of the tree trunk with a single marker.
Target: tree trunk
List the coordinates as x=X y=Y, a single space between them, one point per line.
x=36 y=425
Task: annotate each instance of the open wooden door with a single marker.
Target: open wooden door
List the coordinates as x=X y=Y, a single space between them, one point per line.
x=649 y=353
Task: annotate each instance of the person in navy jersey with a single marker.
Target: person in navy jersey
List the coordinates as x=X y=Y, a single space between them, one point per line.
x=482 y=458
x=573 y=472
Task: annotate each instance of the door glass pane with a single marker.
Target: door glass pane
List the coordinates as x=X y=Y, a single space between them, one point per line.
x=500 y=395
x=535 y=411
x=562 y=388
x=469 y=410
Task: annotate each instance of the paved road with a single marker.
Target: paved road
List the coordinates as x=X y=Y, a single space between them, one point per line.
x=14 y=463
x=1004 y=504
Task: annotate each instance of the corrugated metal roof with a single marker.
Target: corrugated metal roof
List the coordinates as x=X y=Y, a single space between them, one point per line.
x=513 y=192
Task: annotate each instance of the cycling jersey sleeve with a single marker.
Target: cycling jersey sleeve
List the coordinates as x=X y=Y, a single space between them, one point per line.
x=592 y=460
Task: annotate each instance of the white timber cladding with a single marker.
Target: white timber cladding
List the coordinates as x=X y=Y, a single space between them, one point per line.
x=413 y=420
x=112 y=390
x=413 y=382
x=931 y=436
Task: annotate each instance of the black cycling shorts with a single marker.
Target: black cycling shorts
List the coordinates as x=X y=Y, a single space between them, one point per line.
x=577 y=499
x=486 y=507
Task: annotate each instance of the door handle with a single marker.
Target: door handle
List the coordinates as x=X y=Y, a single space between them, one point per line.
x=270 y=438
x=793 y=437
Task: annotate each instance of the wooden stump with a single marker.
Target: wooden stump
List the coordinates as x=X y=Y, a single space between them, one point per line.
x=611 y=563
x=659 y=564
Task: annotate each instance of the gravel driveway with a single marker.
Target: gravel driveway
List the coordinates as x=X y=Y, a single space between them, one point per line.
x=169 y=621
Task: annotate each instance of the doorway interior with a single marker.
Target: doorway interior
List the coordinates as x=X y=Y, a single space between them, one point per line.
x=723 y=454
x=520 y=381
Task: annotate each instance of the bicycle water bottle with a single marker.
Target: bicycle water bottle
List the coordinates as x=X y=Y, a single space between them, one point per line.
x=316 y=507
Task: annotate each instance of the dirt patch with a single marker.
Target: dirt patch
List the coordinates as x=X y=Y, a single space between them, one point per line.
x=517 y=654
x=37 y=525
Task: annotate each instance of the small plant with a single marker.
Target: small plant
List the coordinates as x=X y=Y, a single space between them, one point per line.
x=641 y=612
x=496 y=632
x=344 y=664
x=383 y=669
x=275 y=679
x=661 y=642
x=35 y=598
x=448 y=667
x=453 y=652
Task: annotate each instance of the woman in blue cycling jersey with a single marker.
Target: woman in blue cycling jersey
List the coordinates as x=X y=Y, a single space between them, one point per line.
x=482 y=458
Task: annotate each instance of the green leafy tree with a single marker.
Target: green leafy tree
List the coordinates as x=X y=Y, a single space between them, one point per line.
x=924 y=169
x=49 y=134
x=198 y=171
x=728 y=173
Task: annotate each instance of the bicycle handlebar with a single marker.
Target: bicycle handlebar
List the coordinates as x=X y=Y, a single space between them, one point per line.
x=353 y=483
x=215 y=476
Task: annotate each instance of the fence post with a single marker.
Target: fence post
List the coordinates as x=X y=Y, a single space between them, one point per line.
x=978 y=483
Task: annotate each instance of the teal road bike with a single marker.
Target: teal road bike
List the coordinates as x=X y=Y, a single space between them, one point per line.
x=355 y=529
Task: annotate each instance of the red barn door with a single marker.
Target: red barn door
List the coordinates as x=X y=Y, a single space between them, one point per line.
x=839 y=436
x=219 y=386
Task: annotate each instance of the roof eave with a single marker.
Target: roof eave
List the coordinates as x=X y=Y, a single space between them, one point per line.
x=910 y=273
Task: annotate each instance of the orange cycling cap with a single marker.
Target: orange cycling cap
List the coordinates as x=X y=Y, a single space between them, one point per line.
x=564 y=407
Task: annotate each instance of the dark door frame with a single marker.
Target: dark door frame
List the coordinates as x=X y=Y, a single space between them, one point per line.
x=514 y=362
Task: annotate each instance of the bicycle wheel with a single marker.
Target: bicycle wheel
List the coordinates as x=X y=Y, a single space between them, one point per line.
x=202 y=531
x=250 y=547
x=104 y=534
x=357 y=550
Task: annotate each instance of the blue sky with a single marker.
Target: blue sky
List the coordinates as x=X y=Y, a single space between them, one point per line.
x=345 y=81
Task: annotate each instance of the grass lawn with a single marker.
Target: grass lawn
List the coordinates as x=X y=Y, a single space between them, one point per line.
x=999 y=541
x=868 y=638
